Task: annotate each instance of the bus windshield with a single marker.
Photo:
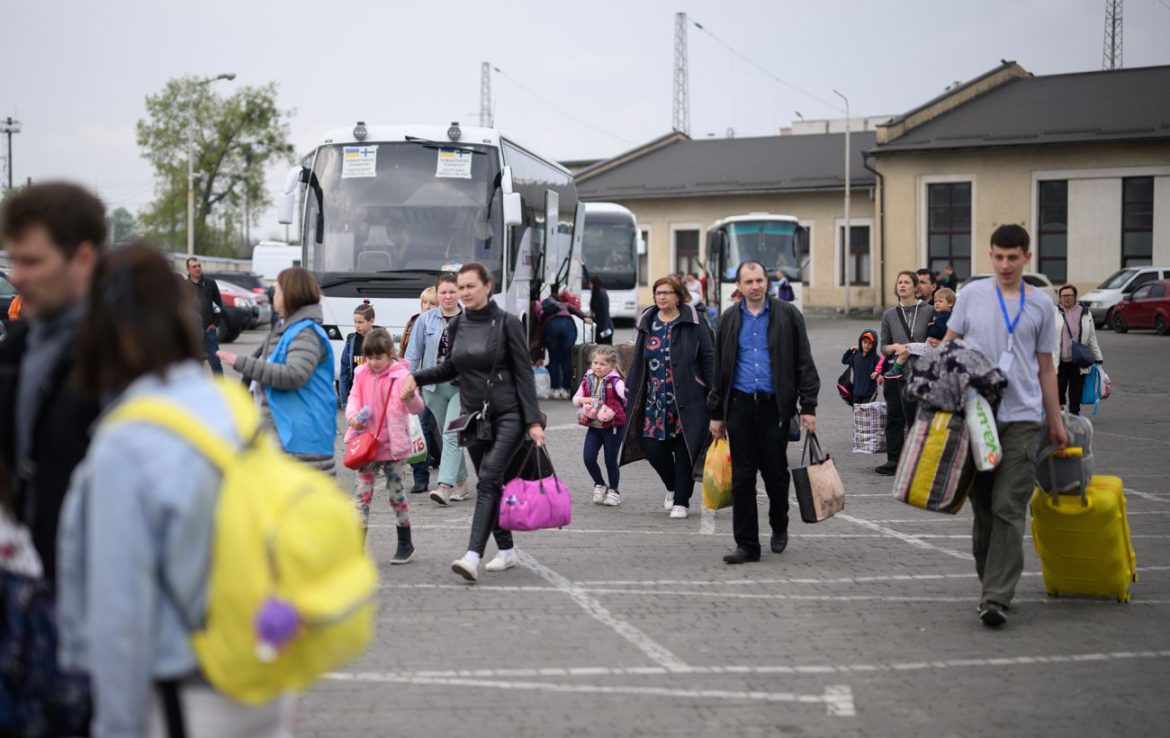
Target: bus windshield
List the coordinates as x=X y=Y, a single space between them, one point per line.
x=414 y=206
x=772 y=243
x=609 y=250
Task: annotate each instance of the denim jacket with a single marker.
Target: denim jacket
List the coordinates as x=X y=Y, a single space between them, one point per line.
x=423 y=350
x=140 y=510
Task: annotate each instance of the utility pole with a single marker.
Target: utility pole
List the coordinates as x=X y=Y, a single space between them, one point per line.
x=682 y=84
x=191 y=162
x=485 y=95
x=848 y=231
x=9 y=126
x=1111 y=57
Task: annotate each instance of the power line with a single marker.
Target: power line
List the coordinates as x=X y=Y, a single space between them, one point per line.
x=767 y=72
x=556 y=107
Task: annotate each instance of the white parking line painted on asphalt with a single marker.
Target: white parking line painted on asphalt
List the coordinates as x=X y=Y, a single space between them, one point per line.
x=654 y=650
x=706 y=521
x=1135 y=438
x=1147 y=495
x=837 y=698
x=912 y=540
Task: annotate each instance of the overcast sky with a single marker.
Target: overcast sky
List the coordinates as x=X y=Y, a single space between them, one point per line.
x=75 y=73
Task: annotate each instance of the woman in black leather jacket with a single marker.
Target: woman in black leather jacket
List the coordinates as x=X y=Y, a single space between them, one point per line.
x=489 y=354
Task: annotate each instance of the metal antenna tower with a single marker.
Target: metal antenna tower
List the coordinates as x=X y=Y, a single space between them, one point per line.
x=682 y=85
x=1111 y=58
x=485 y=95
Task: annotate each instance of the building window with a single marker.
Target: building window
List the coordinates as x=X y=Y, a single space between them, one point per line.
x=1052 y=238
x=949 y=227
x=1137 y=221
x=858 y=253
x=686 y=251
x=644 y=261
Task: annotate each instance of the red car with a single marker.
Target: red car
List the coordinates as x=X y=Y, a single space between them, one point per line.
x=1146 y=307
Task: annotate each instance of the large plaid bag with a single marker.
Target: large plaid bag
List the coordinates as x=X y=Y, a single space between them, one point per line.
x=935 y=471
x=869 y=428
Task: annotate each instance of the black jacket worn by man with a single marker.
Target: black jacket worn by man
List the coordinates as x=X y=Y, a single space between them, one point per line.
x=794 y=375
x=208 y=301
x=60 y=438
x=476 y=347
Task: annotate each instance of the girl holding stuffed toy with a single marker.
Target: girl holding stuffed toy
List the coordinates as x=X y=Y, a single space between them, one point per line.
x=601 y=400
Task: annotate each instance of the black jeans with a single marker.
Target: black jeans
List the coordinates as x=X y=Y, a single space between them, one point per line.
x=491 y=462
x=673 y=463
x=759 y=444
x=1070 y=380
x=899 y=417
x=611 y=440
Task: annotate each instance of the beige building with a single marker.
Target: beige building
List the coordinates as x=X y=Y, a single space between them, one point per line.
x=678 y=187
x=1082 y=161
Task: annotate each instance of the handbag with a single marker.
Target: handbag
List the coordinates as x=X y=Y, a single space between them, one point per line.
x=819 y=490
x=535 y=504
x=869 y=427
x=362 y=449
x=1080 y=354
x=717 y=475
x=476 y=427
x=418 y=442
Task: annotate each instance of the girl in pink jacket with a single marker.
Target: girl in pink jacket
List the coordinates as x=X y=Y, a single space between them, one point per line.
x=374 y=402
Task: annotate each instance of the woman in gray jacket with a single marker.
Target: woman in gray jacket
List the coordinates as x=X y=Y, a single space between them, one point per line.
x=903 y=324
x=138 y=522
x=291 y=373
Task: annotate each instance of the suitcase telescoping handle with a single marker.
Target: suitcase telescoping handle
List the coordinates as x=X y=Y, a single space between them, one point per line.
x=1050 y=454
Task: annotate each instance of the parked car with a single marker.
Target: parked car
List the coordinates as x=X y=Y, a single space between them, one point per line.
x=1109 y=293
x=1146 y=307
x=7 y=292
x=239 y=310
x=250 y=281
x=1037 y=280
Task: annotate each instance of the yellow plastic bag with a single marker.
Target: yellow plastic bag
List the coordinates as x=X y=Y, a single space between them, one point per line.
x=717 y=476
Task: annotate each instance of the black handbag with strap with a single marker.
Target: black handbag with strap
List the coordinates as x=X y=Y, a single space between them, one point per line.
x=1079 y=353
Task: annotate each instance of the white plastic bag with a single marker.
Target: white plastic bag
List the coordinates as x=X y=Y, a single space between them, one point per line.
x=985 y=448
x=543 y=382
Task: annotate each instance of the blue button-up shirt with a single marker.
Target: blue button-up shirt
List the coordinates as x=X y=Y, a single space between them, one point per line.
x=753 y=360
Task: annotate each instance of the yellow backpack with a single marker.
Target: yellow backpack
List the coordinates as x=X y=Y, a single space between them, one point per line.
x=284 y=530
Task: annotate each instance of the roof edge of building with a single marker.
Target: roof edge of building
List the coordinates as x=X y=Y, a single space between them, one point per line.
x=606 y=164
x=931 y=147
x=618 y=196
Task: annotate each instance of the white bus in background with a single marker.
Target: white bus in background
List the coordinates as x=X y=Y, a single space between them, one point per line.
x=270 y=258
x=385 y=209
x=610 y=248
x=777 y=241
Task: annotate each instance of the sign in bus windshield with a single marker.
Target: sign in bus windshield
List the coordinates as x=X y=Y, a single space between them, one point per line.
x=389 y=207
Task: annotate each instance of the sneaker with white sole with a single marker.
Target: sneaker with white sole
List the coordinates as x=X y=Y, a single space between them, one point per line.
x=441 y=495
x=460 y=492
x=613 y=498
x=668 y=505
x=678 y=512
x=503 y=560
x=599 y=494
x=463 y=568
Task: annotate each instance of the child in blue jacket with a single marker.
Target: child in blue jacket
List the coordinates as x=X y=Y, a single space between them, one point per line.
x=864 y=361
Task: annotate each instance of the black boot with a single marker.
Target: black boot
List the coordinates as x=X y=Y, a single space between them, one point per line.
x=405 y=550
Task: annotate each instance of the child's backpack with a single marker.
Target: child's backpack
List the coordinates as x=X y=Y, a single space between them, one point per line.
x=845 y=385
x=284 y=533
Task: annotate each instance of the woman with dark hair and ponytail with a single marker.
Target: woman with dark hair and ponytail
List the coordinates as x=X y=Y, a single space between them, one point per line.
x=903 y=324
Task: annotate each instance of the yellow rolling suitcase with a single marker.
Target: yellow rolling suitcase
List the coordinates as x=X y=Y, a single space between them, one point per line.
x=1083 y=541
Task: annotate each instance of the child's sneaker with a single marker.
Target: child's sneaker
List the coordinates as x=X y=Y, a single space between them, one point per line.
x=894 y=372
x=613 y=498
x=598 y=494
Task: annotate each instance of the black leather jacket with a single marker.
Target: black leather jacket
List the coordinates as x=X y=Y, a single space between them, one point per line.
x=475 y=345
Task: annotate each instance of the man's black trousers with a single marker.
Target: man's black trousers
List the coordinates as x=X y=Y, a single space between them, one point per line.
x=758 y=444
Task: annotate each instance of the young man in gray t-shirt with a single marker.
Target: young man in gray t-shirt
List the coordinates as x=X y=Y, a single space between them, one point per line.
x=1013 y=325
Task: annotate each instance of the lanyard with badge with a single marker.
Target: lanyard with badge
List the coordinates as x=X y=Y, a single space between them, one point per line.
x=1006 y=358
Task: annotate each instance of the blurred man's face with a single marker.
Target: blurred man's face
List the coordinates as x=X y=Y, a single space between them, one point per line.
x=47 y=280
x=195 y=270
x=925 y=286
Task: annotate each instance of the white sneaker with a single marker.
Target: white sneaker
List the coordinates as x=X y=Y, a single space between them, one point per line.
x=441 y=495
x=460 y=492
x=613 y=498
x=668 y=505
x=598 y=494
x=503 y=560
x=463 y=568
x=678 y=512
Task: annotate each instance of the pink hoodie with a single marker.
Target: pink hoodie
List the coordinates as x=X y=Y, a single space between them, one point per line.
x=371 y=389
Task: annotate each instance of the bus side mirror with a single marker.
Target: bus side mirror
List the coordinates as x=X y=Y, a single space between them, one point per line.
x=641 y=246
x=506 y=180
x=513 y=209
x=287 y=202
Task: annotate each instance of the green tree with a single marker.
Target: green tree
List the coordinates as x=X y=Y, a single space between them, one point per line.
x=234 y=139
x=121 y=225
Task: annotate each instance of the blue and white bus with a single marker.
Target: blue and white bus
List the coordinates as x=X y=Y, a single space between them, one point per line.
x=610 y=248
x=382 y=210
x=779 y=242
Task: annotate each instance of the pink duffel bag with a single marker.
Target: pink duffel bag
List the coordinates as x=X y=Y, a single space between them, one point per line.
x=533 y=504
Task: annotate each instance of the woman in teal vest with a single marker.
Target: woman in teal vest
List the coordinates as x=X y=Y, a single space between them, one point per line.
x=291 y=373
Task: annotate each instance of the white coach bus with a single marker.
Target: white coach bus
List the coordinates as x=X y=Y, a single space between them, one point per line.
x=382 y=210
x=610 y=248
x=776 y=241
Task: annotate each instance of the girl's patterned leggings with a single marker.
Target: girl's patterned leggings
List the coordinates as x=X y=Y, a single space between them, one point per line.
x=363 y=489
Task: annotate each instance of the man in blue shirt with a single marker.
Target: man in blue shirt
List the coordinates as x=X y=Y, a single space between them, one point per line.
x=763 y=368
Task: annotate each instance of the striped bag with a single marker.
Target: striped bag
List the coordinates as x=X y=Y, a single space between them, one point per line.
x=935 y=471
